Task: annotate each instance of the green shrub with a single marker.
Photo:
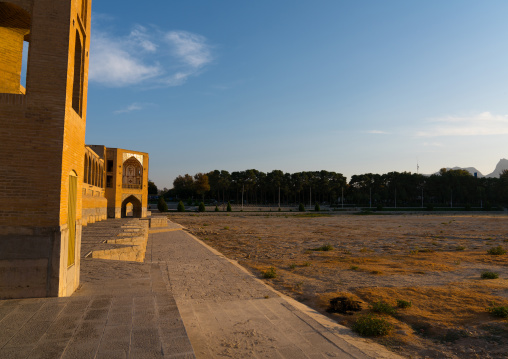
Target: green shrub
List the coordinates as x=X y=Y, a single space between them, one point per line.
x=162 y=205
x=317 y=208
x=370 y=326
x=501 y=312
x=228 y=207
x=201 y=207
x=301 y=207
x=324 y=248
x=270 y=273
x=382 y=307
x=496 y=251
x=354 y=267
x=460 y=248
x=180 y=207
x=403 y=303
x=216 y=208
x=489 y=275
x=292 y=266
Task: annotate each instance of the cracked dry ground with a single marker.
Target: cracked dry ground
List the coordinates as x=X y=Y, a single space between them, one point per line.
x=435 y=261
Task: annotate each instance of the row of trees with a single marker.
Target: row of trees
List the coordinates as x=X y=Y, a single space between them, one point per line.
x=393 y=189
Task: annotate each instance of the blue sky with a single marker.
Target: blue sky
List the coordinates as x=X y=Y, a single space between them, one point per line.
x=346 y=86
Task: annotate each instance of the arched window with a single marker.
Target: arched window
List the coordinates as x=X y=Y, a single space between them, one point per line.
x=93 y=173
x=132 y=173
x=84 y=9
x=102 y=176
x=78 y=75
x=85 y=179
x=89 y=179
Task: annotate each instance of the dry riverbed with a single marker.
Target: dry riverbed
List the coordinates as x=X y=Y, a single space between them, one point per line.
x=433 y=261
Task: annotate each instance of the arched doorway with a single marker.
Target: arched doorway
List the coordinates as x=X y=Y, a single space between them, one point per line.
x=136 y=207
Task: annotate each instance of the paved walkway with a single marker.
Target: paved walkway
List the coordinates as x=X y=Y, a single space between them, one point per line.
x=229 y=313
x=184 y=293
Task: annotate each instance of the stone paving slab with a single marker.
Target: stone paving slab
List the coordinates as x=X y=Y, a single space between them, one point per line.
x=228 y=312
x=121 y=310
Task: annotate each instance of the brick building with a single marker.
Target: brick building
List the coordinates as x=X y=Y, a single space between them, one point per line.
x=50 y=182
x=116 y=183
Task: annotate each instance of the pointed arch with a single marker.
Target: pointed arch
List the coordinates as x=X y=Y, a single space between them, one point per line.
x=78 y=75
x=136 y=206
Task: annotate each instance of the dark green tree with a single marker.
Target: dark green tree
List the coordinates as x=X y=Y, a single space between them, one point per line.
x=317 y=208
x=201 y=207
x=180 y=207
x=152 y=188
x=301 y=207
x=161 y=205
x=229 y=207
x=201 y=185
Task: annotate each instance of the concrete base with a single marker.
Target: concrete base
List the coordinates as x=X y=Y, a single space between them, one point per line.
x=33 y=262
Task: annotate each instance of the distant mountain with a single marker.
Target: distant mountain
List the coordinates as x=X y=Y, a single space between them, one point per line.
x=471 y=170
x=500 y=167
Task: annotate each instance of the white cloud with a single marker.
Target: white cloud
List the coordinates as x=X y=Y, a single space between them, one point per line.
x=130 y=108
x=147 y=56
x=190 y=48
x=377 y=132
x=483 y=124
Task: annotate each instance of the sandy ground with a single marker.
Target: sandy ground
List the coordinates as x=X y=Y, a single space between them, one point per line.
x=434 y=261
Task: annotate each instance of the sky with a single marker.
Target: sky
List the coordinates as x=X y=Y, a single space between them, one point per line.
x=346 y=86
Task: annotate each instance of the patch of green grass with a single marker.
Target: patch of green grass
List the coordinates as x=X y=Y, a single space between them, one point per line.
x=501 y=312
x=489 y=275
x=403 y=303
x=354 y=267
x=496 y=251
x=205 y=224
x=270 y=273
x=292 y=266
x=414 y=252
x=307 y=264
x=460 y=248
x=371 y=326
x=376 y=272
x=324 y=248
x=383 y=307
x=226 y=227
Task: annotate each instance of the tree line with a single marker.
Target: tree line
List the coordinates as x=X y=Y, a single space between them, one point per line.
x=446 y=188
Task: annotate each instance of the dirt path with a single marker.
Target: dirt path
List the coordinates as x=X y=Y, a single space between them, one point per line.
x=433 y=261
